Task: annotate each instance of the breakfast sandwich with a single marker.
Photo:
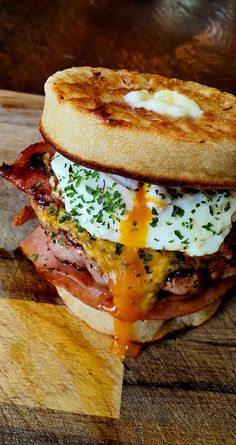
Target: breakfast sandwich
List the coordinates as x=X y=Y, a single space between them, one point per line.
x=134 y=188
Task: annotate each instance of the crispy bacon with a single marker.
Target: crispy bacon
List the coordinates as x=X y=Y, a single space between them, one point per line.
x=24 y=215
x=29 y=173
x=81 y=284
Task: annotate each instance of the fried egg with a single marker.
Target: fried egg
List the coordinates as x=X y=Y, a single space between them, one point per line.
x=140 y=215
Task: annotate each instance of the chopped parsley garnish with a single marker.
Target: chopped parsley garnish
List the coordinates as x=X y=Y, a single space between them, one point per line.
x=209 y=228
x=178 y=234
x=34 y=186
x=111 y=202
x=154 y=221
x=37 y=184
x=177 y=211
x=64 y=217
x=175 y=194
x=79 y=228
x=188 y=223
x=118 y=248
x=146 y=257
x=57 y=212
x=34 y=256
x=51 y=210
x=186 y=241
x=227 y=207
x=148 y=270
x=93 y=174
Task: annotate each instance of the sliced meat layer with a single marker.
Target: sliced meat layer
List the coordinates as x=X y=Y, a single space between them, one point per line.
x=29 y=172
x=64 y=250
x=172 y=306
x=184 y=281
x=82 y=285
x=79 y=282
x=67 y=251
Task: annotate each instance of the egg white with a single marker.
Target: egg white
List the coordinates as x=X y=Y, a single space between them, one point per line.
x=191 y=221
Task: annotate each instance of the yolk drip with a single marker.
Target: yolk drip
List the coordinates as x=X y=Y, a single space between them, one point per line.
x=134 y=229
x=127 y=288
x=122 y=344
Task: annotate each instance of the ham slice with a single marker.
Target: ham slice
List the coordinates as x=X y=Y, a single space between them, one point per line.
x=29 y=173
x=68 y=252
x=172 y=306
x=81 y=284
x=78 y=282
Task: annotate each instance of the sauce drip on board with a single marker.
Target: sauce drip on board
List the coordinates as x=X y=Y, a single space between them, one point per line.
x=127 y=288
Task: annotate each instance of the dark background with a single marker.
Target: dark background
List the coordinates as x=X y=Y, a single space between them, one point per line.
x=189 y=39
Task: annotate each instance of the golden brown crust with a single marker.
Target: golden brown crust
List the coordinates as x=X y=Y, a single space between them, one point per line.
x=142 y=331
x=109 y=168
x=86 y=118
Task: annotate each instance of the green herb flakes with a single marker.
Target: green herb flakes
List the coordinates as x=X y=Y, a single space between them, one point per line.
x=177 y=211
x=178 y=234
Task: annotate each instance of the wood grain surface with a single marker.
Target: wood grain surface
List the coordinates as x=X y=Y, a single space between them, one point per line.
x=50 y=360
x=180 y=390
x=189 y=39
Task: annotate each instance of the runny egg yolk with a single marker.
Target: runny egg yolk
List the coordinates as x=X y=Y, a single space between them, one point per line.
x=127 y=288
x=134 y=229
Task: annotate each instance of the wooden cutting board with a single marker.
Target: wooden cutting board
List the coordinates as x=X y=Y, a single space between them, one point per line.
x=59 y=384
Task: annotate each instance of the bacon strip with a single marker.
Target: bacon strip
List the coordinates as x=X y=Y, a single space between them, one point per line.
x=81 y=284
x=29 y=173
x=23 y=216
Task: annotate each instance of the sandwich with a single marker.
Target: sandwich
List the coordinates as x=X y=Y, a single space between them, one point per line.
x=134 y=188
